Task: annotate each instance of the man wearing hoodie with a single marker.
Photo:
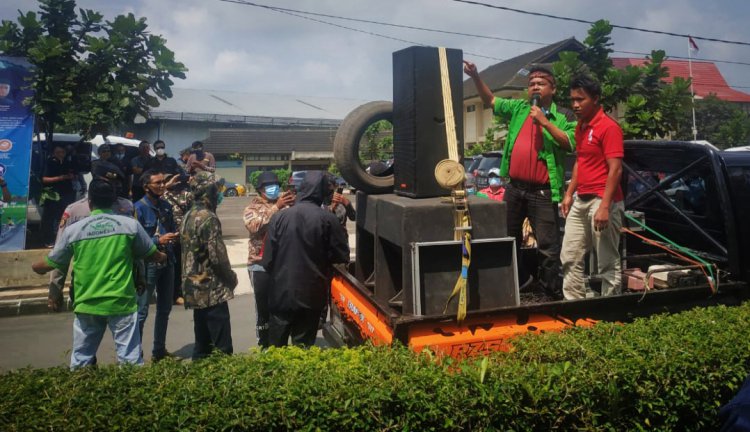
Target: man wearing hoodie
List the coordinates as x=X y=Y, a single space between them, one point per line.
x=207 y=276
x=301 y=246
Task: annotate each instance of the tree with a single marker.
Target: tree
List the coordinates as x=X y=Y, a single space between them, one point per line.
x=378 y=142
x=719 y=122
x=653 y=107
x=491 y=141
x=89 y=75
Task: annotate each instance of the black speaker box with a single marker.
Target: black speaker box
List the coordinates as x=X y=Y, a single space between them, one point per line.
x=419 y=138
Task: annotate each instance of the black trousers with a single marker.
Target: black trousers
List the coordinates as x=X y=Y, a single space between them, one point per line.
x=177 y=271
x=212 y=331
x=301 y=325
x=534 y=202
x=262 y=283
x=51 y=215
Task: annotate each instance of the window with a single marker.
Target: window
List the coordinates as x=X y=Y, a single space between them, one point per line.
x=267 y=157
x=471 y=108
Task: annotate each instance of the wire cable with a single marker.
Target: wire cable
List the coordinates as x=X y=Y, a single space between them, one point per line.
x=297 y=13
x=583 y=21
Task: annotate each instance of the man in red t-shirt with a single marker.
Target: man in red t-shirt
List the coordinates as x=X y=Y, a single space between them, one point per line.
x=594 y=217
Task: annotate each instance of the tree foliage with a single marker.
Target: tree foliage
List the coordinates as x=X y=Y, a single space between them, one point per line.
x=719 y=122
x=653 y=107
x=89 y=75
x=491 y=140
x=378 y=144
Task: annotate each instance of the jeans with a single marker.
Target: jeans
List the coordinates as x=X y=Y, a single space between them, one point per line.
x=213 y=330
x=536 y=204
x=161 y=282
x=262 y=283
x=88 y=331
x=581 y=238
x=301 y=325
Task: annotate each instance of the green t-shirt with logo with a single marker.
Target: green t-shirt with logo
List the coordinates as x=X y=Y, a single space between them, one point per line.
x=103 y=248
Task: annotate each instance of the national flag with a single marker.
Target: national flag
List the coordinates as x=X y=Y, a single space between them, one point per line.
x=691 y=43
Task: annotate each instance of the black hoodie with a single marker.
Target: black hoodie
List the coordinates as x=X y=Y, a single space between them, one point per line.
x=302 y=244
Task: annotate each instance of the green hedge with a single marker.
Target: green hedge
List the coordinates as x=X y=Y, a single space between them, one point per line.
x=669 y=372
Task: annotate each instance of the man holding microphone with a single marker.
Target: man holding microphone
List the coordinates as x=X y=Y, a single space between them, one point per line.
x=539 y=136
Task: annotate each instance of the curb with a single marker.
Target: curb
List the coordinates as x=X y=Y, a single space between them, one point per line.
x=27 y=306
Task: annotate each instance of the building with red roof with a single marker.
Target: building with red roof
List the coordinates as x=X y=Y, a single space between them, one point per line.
x=706 y=78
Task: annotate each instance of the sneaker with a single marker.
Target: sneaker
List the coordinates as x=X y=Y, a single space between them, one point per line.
x=166 y=355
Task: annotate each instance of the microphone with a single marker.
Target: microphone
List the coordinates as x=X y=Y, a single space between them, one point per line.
x=536 y=99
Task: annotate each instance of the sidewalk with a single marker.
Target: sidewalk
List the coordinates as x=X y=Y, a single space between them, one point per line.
x=26 y=300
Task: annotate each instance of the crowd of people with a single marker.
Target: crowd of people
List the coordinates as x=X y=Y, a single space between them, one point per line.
x=539 y=136
x=148 y=229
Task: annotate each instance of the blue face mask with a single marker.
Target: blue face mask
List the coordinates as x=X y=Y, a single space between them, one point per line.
x=272 y=191
x=471 y=191
x=495 y=181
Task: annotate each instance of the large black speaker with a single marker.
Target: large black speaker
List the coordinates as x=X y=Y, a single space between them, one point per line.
x=419 y=139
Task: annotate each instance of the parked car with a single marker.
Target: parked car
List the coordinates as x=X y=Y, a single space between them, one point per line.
x=297 y=176
x=489 y=160
x=230 y=189
x=470 y=165
x=295 y=179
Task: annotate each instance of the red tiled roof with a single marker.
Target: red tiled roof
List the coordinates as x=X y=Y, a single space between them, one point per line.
x=706 y=77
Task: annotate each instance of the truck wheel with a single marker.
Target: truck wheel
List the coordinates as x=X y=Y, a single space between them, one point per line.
x=346 y=147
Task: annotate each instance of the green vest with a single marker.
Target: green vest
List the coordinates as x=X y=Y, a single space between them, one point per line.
x=515 y=111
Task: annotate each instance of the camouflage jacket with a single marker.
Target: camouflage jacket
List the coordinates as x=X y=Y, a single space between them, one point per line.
x=256 y=218
x=207 y=277
x=181 y=201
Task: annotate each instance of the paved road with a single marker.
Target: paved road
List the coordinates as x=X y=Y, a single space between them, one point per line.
x=46 y=340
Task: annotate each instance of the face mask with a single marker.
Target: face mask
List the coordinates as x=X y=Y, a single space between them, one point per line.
x=272 y=191
x=471 y=191
x=495 y=181
x=120 y=156
x=161 y=152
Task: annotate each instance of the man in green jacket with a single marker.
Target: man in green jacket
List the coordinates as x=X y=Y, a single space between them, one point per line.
x=539 y=136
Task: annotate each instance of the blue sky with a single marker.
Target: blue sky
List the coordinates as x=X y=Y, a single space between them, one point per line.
x=228 y=46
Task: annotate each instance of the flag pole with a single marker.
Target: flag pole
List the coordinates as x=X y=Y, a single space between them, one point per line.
x=692 y=92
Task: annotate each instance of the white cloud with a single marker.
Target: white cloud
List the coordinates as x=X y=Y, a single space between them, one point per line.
x=232 y=46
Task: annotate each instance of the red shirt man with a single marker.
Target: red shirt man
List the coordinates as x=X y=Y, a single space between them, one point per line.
x=594 y=217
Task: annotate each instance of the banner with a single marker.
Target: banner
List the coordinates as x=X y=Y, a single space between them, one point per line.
x=16 y=130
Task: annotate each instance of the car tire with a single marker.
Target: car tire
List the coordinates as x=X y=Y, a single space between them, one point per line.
x=231 y=192
x=346 y=147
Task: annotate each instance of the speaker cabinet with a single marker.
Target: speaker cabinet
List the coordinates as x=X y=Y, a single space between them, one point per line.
x=419 y=138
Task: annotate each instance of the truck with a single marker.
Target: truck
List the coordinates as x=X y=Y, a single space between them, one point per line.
x=685 y=243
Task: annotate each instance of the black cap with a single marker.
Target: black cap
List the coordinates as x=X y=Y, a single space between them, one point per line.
x=265 y=178
x=108 y=171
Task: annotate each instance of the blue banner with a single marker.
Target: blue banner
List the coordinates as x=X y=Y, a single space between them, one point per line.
x=16 y=131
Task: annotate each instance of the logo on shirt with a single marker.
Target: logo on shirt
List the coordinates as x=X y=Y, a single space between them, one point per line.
x=5 y=145
x=591 y=135
x=101 y=227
